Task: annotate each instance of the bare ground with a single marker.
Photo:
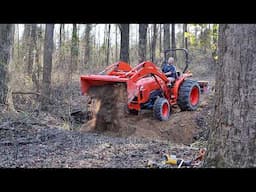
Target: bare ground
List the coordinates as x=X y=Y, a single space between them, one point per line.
x=39 y=140
x=43 y=147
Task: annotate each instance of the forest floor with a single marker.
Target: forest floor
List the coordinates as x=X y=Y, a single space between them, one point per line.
x=40 y=140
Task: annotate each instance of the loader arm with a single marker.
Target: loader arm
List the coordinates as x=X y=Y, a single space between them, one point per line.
x=142 y=70
x=117 y=68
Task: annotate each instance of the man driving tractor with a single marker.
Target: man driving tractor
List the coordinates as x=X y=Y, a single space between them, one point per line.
x=170 y=70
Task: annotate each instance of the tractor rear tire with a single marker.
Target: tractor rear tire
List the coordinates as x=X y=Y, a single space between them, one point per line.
x=162 y=109
x=189 y=95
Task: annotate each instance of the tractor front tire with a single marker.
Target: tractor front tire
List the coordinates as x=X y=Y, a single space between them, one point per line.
x=162 y=109
x=189 y=95
x=133 y=112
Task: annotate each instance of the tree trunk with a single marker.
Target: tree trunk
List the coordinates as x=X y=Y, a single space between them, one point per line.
x=185 y=38
x=98 y=45
x=160 y=39
x=94 y=48
x=116 y=54
x=6 y=54
x=60 y=40
x=124 y=49
x=214 y=43
x=31 y=48
x=104 y=46
x=153 y=45
x=233 y=127
x=167 y=37
x=62 y=36
x=47 y=68
x=25 y=47
x=173 y=41
x=108 y=44
x=196 y=36
x=18 y=41
x=32 y=54
x=149 y=42
x=142 y=42
x=196 y=30
x=63 y=44
x=204 y=36
x=38 y=61
x=87 y=44
x=74 y=50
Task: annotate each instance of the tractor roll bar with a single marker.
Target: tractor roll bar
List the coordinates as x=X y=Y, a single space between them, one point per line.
x=182 y=49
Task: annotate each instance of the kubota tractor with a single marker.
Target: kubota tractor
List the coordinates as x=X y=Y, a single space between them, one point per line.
x=147 y=86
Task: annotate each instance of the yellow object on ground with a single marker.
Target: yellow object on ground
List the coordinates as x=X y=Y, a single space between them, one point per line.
x=170 y=160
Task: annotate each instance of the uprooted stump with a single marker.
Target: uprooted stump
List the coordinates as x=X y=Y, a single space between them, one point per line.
x=108 y=110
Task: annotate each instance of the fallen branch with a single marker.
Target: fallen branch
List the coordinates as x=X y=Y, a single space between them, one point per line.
x=4 y=124
x=39 y=94
x=23 y=93
x=33 y=93
x=18 y=143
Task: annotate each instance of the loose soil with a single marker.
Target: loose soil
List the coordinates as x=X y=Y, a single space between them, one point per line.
x=110 y=116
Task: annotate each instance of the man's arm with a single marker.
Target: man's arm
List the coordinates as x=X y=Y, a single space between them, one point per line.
x=171 y=71
x=166 y=70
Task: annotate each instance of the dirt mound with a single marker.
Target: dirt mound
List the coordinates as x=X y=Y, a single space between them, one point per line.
x=180 y=128
x=109 y=115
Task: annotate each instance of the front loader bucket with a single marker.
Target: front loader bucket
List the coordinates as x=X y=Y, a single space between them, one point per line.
x=88 y=81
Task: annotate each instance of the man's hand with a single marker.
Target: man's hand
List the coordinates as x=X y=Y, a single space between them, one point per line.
x=168 y=73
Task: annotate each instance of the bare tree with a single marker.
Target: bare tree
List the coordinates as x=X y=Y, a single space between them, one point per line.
x=6 y=50
x=94 y=47
x=160 y=38
x=124 y=49
x=108 y=44
x=185 y=38
x=31 y=49
x=18 y=40
x=25 y=47
x=61 y=41
x=47 y=68
x=116 y=51
x=74 y=49
x=142 y=41
x=167 y=36
x=32 y=55
x=88 y=29
x=173 y=41
x=233 y=125
x=37 y=70
x=149 y=42
x=214 y=43
x=153 y=45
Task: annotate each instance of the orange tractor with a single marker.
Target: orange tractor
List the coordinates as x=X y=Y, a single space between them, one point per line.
x=147 y=87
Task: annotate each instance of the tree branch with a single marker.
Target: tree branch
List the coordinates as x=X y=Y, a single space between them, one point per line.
x=28 y=92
